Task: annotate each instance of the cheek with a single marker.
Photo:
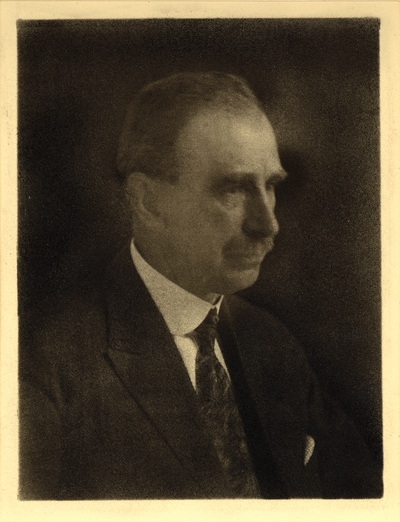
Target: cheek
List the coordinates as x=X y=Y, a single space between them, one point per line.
x=213 y=231
x=205 y=230
x=224 y=221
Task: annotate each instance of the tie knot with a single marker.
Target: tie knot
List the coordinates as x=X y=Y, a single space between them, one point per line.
x=210 y=321
x=211 y=318
x=207 y=331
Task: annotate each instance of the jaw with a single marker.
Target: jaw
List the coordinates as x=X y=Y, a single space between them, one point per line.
x=208 y=280
x=232 y=281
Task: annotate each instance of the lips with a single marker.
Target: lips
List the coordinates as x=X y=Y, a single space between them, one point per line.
x=252 y=255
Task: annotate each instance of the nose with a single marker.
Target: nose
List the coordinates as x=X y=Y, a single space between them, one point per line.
x=260 y=220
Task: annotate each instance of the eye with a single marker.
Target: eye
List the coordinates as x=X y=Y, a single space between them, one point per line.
x=231 y=194
x=230 y=188
x=233 y=188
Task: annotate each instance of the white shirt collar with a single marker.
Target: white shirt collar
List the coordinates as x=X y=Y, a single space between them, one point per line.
x=182 y=311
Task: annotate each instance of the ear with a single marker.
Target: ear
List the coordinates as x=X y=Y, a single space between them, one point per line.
x=143 y=197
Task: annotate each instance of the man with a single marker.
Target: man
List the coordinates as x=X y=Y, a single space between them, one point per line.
x=159 y=382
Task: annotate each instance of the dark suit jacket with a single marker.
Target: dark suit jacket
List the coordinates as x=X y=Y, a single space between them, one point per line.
x=108 y=411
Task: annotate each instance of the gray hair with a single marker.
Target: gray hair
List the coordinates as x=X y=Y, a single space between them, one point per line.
x=161 y=109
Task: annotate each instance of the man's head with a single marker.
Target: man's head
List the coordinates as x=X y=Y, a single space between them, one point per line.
x=200 y=161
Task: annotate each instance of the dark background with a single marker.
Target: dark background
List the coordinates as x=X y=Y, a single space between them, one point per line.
x=320 y=81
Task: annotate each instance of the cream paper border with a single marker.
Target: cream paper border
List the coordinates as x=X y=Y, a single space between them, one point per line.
x=386 y=509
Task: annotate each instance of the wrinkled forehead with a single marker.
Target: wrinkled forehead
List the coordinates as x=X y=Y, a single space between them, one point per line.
x=216 y=141
x=221 y=131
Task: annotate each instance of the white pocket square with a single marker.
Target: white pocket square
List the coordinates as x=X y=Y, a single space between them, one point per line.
x=309 y=448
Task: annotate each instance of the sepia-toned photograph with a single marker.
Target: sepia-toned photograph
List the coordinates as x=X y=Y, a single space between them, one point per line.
x=199 y=259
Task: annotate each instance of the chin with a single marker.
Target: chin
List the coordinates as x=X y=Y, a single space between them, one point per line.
x=240 y=281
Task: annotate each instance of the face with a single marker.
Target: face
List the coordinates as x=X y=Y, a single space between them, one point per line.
x=218 y=219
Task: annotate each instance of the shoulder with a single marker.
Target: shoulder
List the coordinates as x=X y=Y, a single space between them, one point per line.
x=68 y=334
x=62 y=341
x=267 y=338
x=68 y=317
x=258 y=323
x=60 y=325
x=243 y=310
x=64 y=316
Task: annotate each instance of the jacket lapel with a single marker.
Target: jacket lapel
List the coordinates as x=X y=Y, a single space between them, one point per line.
x=266 y=369
x=146 y=359
x=237 y=354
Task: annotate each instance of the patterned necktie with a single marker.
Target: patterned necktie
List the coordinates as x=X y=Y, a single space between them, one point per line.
x=220 y=413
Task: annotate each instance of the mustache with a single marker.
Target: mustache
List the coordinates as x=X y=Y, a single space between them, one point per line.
x=252 y=248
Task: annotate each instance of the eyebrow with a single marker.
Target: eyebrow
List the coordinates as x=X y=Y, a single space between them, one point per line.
x=275 y=177
x=246 y=179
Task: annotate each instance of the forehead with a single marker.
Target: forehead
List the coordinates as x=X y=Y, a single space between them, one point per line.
x=220 y=140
